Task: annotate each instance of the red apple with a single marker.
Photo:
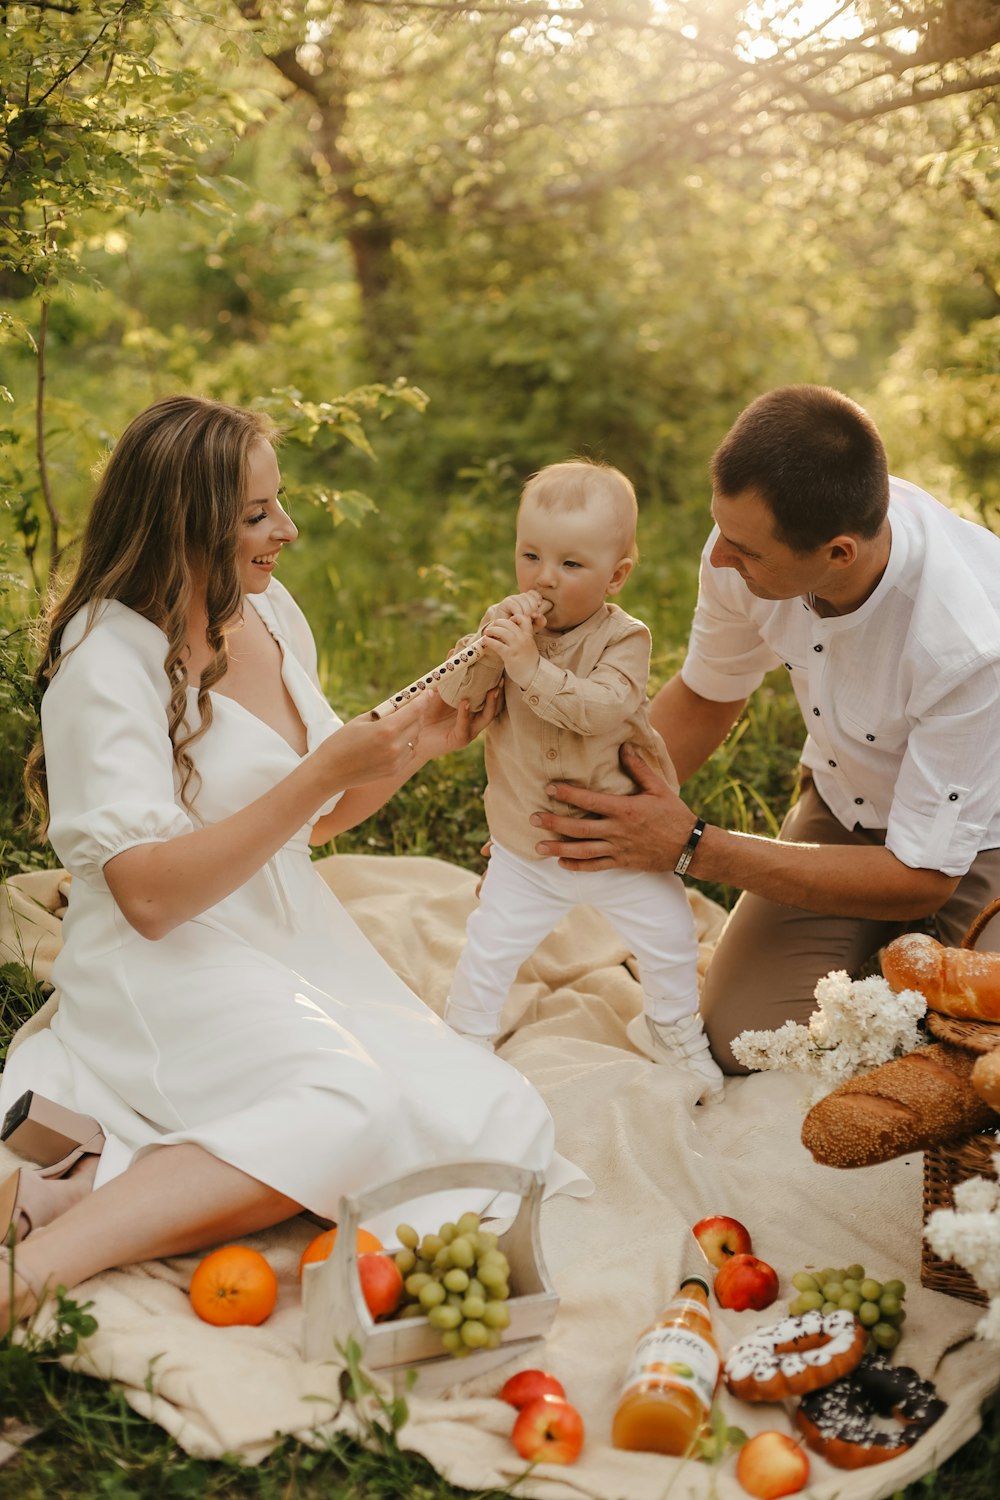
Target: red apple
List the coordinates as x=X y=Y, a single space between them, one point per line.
x=744 y=1281
x=721 y=1237
x=550 y=1430
x=528 y=1385
x=772 y=1464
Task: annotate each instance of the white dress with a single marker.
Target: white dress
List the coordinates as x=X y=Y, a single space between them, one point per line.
x=268 y=1030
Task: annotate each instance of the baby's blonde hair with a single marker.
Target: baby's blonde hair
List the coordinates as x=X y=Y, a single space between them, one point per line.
x=580 y=482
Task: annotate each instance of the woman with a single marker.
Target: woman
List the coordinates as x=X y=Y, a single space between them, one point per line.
x=215 y=997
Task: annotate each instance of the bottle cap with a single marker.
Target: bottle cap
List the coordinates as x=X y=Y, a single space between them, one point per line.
x=700 y=1280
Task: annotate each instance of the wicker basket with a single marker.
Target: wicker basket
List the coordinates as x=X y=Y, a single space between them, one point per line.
x=945 y=1167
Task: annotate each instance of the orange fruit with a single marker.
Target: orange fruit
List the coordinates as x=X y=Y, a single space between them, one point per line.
x=381 y=1283
x=322 y=1246
x=233 y=1285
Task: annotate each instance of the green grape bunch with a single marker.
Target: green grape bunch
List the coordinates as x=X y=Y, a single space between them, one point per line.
x=877 y=1305
x=459 y=1280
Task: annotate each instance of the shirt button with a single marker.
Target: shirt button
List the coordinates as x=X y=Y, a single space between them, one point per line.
x=832 y=763
x=858 y=801
x=550 y=754
x=952 y=796
x=533 y=698
x=870 y=738
x=816 y=712
x=788 y=666
x=817 y=648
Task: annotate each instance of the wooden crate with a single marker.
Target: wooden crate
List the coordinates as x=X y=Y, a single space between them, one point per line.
x=334 y=1308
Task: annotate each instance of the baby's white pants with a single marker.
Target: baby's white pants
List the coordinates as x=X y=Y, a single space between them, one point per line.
x=523 y=900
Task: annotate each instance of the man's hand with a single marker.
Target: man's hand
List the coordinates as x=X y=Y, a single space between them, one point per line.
x=646 y=831
x=514 y=642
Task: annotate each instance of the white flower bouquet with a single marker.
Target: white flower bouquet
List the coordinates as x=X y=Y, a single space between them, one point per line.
x=857 y=1025
x=970 y=1235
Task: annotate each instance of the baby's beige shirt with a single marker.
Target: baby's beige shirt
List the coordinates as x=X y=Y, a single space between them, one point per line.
x=585 y=700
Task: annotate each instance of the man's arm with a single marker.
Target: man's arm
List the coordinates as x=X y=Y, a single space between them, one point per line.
x=692 y=726
x=647 y=831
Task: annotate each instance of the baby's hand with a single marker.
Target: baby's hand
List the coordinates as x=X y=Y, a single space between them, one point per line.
x=529 y=604
x=513 y=641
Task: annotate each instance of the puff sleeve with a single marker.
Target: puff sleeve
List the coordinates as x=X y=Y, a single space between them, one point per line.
x=108 y=756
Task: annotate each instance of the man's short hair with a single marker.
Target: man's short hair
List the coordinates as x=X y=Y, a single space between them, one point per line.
x=814 y=457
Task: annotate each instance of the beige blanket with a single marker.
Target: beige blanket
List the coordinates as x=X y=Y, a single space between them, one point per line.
x=658 y=1163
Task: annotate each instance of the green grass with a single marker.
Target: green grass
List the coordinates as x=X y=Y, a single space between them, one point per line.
x=92 y=1446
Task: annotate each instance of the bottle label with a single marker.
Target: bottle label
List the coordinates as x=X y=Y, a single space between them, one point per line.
x=672 y=1359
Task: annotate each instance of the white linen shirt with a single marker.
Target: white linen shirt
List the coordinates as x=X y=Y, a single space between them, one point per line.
x=901 y=697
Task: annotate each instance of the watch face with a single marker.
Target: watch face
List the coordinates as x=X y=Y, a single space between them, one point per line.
x=16 y=1115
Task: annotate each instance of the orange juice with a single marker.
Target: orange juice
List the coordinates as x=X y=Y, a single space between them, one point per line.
x=671 y=1380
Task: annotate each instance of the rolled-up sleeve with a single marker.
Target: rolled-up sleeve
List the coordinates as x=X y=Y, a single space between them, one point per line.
x=948 y=788
x=109 y=759
x=727 y=657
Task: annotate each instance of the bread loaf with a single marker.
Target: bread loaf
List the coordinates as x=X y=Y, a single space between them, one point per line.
x=960 y=982
x=986 y=1078
x=921 y=1100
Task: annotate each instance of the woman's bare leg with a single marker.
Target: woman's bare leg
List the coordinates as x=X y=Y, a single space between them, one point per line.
x=171 y=1201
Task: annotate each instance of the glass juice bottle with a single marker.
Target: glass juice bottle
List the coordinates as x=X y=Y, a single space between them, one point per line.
x=671 y=1380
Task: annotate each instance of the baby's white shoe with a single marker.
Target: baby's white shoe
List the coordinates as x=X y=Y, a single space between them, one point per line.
x=682 y=1043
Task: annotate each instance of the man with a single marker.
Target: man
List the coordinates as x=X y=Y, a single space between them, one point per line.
x=884 y=607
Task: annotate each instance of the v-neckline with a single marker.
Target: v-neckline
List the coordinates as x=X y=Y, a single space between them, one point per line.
x=283 y=653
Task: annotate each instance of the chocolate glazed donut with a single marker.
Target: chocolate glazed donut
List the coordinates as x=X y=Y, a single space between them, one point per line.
x=840 y=1422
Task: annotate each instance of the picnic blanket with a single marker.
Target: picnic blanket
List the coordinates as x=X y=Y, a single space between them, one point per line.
x=659 y=1164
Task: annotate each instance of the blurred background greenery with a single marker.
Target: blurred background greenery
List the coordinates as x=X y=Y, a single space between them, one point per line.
x=447 y=244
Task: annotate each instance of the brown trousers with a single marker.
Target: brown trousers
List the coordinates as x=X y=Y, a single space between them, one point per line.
x=769 y=957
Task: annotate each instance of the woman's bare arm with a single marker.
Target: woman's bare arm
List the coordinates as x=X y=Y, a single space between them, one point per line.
x=160 y=885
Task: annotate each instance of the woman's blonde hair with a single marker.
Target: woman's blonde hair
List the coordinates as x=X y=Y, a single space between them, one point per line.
x=172 y=495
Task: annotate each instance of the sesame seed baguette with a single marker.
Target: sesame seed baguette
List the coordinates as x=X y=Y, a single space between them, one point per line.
x=923 y=1099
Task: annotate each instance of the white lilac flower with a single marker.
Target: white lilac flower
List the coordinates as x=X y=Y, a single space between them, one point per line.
x=971 y=1238
x=976 y=1196
x=989 y=1325
x=857 y=1025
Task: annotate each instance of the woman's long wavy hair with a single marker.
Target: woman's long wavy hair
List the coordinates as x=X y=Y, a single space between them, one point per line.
x=171 y=499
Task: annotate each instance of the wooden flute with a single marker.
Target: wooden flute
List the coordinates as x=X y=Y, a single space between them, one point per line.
x=468 y=654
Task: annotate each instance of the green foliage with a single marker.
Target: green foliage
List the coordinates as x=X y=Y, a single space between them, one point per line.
x=321 y=426
x=720 y=1439
x=98 y=120
x=21 y=996
x=22 y=1381
x=18 y=716
x=382 y=1417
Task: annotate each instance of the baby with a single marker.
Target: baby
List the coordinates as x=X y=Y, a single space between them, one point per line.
x=575 y=670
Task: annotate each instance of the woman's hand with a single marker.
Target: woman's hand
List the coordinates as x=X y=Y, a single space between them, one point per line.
x=389 y=748
x=445 y=728
x=646 y=831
